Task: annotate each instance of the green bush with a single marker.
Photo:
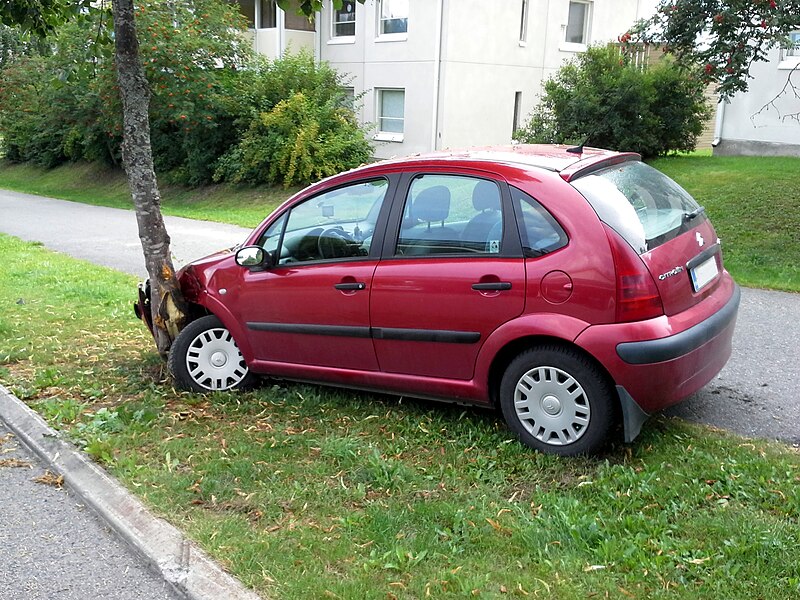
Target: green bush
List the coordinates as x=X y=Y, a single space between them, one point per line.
x=299 y=127
x=217 y=110
x=601 y=98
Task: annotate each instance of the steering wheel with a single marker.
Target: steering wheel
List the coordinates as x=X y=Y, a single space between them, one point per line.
x=335 y=243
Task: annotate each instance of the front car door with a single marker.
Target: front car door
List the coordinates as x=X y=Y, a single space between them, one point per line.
x=452 y=273
x=311 y=308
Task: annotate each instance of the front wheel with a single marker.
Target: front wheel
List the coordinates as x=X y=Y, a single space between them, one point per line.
x=205 y=357
x=557 y=401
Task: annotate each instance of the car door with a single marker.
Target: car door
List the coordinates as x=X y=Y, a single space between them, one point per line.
x=311 y=307
x=452 y=273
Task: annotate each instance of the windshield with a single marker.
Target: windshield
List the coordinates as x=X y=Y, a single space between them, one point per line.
x=642 y=204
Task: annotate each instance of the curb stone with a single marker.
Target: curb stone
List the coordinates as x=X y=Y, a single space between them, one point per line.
x=184 y=566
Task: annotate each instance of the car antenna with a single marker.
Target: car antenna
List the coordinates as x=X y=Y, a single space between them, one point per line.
x=579 y=148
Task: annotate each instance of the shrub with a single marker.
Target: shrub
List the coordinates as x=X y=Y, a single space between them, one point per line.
x=216 y=109
x=602 y=99
x=298 y=125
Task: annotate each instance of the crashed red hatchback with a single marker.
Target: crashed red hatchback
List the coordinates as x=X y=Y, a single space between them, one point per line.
x=573 y=288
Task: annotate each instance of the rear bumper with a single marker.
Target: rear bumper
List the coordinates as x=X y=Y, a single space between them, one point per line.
x=662 y=361
x=680 y=344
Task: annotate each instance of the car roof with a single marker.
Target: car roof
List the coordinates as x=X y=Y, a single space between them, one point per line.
x=568 y=161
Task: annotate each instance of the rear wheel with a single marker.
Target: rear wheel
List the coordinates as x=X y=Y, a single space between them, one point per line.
x=205 y=357
x=557 y=401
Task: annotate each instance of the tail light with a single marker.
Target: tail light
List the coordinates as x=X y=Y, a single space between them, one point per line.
x=637 y=295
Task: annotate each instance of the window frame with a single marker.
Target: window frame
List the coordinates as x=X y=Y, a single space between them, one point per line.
x=510 y=246
x=790 y=56
x=565 y=44
x=523 y=26
x=336 y=38
x=384 y=36
x=389 y=136
x=517 y=117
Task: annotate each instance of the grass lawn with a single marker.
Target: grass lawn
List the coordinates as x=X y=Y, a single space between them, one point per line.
x=96 y=184
x=754 y=203
x=306 y=492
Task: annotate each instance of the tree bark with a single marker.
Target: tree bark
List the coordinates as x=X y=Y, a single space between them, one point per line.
x=166 y=300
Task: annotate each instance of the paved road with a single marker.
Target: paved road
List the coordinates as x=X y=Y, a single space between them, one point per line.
x=53 y=548
x=757 y=394
x=106 y=236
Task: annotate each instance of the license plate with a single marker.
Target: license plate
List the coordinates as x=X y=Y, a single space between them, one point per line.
x=704 y=273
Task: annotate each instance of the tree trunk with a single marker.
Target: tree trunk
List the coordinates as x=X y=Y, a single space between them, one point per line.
x=166 y=301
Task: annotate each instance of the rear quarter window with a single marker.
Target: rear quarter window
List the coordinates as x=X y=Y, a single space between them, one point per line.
x=642 y=204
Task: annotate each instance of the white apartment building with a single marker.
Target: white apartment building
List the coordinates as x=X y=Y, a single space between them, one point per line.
x=435 y=74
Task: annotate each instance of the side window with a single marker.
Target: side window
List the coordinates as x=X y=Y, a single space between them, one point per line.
x=539 y=231
x=270 y=239
x=336 y=224
x=451 y=214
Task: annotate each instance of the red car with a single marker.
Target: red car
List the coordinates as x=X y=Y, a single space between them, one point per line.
x=574 y=288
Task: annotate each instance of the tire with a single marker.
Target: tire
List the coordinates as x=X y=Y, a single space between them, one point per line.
x=558 y=402
x=204 y=358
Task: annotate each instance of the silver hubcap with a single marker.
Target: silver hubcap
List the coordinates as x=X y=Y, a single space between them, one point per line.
x=552 y=406
x=214 y=360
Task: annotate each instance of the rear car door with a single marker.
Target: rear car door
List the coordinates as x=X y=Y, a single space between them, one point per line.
x=452 y=273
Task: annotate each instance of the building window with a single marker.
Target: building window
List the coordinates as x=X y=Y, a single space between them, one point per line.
x=578 y=23
x=793 y=49
x=391 y=114
x=343 y=19
x=517 y=113
x=348 y=99
x=267 y=18
x=523 y=26
x=393 y=17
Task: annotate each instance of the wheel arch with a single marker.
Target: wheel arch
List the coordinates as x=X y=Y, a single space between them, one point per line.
x=207 y=304
x=515 y=347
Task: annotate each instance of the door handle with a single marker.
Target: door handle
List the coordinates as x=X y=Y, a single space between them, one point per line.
x=350 y=286
x=497 y=286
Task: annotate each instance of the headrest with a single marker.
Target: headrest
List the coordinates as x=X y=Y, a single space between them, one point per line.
x=486 y=196
x=432 y=204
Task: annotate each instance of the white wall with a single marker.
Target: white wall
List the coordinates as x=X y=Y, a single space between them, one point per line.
x=745 y=121
x=486 y=63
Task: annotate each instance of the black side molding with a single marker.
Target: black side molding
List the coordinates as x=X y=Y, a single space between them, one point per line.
x=653 y=351
x=333 y=330
x=378 y=333
x=426 y=335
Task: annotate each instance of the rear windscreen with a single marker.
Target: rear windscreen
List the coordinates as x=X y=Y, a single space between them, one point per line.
x=640 y=203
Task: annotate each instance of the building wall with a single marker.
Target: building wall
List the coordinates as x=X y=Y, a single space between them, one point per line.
x=753 y=126
x=487 y=62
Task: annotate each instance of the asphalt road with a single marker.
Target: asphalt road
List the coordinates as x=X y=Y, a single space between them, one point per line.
x=757 y=394
x=106 y=236
x=54 y=548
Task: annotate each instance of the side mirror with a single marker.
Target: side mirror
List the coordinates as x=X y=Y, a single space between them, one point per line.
x=253 y=257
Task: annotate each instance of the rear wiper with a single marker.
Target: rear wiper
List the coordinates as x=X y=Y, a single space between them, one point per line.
x=695 y=213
